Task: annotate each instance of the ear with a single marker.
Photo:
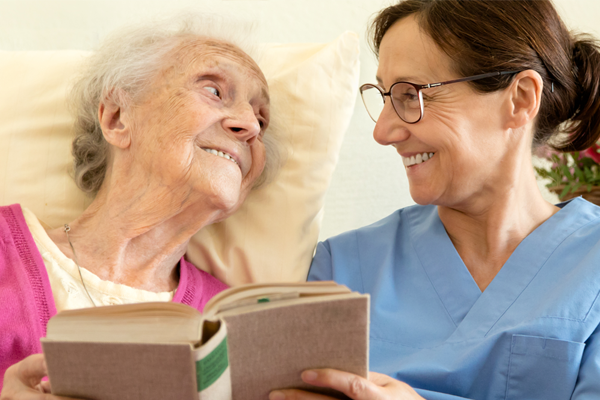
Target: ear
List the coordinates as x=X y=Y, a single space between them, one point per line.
x=524 y=97
x=114 y=124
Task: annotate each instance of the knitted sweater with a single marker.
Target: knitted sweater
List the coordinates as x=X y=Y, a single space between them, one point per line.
x=26 y=302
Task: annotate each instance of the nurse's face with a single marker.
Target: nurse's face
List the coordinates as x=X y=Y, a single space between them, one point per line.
x=461 y=128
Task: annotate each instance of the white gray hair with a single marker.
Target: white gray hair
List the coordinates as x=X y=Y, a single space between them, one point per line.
x=128 y=60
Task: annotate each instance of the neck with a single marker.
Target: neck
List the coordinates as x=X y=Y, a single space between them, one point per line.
x=136 y=246
x=487 y=228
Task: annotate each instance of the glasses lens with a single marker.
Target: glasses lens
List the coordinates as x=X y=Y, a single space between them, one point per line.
x=405 y=99
x=373 y=100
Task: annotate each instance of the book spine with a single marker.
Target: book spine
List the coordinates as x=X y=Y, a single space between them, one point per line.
x=213 y=376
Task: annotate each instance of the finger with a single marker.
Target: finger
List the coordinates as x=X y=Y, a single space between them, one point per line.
x=52 y=397
x=294 y=394
x=45 y=387
x=380 y=379
x=31 y=370
x=353 y=386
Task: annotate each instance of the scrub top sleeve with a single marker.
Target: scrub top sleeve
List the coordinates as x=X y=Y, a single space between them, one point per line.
x=429 y=395
x=588 y=380
x=321 y=269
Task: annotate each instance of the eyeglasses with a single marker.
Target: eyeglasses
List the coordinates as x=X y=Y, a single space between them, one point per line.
x=407 y=98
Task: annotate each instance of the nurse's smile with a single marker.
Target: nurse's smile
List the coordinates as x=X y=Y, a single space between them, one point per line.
x=416 y=159
x=482 y=289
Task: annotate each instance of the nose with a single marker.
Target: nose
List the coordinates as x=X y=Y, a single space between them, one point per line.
x=389 y=128
x=243 y=124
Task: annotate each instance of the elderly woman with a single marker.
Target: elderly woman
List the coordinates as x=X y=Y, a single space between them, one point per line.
x=484 y=290
x=170 y=121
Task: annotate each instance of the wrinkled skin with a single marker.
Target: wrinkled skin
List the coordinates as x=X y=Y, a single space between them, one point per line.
x=161 y=186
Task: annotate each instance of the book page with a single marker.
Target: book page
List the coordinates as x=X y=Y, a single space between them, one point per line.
x=131 y=323
x=281 y=303
x=246 y=294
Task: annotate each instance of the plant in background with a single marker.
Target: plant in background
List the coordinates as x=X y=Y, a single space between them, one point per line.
x=571 y=174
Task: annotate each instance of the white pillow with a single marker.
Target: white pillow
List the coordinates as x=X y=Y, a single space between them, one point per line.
x=273 y=235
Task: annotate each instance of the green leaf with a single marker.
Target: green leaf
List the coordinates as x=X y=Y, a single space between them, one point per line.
x=565 y=191
x=579 y=174
x=556 y=159
x=565 y=170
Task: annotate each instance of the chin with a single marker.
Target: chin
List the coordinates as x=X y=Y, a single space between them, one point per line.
x=422 y=196
x=226 y=199
x=221 y=190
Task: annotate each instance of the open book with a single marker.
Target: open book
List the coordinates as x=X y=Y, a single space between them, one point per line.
x=250 y=340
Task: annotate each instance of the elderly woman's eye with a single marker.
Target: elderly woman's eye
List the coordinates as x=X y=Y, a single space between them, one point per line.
x=263 y=124
x=213 y=90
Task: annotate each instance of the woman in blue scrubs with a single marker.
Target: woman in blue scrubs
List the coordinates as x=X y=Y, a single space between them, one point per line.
x=483 y=290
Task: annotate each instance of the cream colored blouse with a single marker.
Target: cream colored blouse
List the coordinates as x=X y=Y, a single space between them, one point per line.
x=67 y=289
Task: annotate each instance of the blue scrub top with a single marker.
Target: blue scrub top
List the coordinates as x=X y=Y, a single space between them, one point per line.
x=532 y=334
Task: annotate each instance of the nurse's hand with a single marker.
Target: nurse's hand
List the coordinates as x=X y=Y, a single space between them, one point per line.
x=23 y=381
x=377 y=387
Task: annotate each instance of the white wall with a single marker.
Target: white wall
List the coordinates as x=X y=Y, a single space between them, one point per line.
x=369 y=182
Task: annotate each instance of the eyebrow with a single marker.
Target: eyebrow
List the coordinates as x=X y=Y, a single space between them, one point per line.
x=410 y=79
x=265 y=94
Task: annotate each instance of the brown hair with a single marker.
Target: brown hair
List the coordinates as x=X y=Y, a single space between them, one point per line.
x=488 y=36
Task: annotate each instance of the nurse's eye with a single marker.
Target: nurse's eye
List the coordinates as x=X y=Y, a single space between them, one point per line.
x=213 y=90
x=427 y=99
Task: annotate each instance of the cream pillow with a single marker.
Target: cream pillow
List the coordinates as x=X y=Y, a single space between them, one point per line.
x=272 y=237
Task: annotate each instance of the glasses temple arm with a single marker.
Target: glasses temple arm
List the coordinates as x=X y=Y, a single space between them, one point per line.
x=469 y=78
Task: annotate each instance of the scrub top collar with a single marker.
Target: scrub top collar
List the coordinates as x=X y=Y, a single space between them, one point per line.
x=475 y=313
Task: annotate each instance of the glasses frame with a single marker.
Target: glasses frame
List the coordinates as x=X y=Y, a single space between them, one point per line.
x=419 y=88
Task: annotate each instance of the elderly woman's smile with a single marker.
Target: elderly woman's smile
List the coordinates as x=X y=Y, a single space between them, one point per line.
x=219 y=153
x=198 y=132
x=170 y=121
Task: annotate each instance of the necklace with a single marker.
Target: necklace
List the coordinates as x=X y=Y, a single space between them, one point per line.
x=67 y=230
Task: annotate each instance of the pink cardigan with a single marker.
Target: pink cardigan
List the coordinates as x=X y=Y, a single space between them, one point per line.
x=26 y=302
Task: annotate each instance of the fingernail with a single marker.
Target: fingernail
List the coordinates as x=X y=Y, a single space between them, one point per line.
x=277 y=395
x=309 y=375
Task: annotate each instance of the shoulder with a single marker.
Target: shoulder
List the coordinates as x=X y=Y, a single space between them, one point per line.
x=11 y=216
x=13 y=227
x=580 y=217
x=344 y=257
x=385 y=229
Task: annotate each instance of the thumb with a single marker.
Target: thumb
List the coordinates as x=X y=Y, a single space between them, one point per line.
x=31 y=370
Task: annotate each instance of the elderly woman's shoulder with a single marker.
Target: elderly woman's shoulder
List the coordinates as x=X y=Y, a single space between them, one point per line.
x=11 y=218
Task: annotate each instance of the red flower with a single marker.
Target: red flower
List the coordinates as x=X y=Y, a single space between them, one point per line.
x=592 y=153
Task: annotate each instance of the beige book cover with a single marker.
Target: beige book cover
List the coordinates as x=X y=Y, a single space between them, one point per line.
x=251 y=340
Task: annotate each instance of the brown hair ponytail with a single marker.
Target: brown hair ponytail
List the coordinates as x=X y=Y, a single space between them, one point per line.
x=514 y=35
x=583 y=126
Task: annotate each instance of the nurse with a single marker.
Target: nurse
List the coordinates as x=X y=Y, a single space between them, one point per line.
x=483 y=290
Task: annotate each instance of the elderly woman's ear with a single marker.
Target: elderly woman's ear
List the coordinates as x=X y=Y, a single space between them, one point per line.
x=115 y=126
x=523 y=98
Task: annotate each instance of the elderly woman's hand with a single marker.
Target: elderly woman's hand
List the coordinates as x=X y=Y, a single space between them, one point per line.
x=23 y=381
x=377 y=387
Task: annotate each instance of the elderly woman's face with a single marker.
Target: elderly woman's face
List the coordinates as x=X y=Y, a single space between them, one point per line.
x=198 y=132
x=460 y=127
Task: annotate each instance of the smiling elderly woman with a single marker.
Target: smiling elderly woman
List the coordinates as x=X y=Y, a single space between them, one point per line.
x=483 y=290
x=170 y=121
